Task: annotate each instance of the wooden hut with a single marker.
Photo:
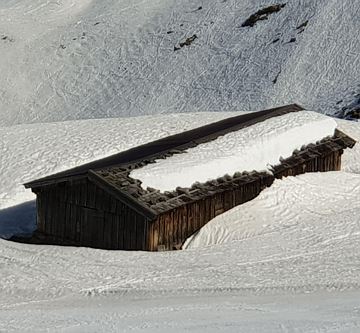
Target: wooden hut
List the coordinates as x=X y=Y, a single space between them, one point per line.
x=99 y=205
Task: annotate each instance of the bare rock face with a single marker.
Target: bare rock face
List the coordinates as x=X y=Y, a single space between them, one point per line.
x=262 y=14
x=350 y=110
x=353 y=113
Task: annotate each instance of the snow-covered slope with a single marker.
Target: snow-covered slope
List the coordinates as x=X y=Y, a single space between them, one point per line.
x=279 y=249
x=69 y=59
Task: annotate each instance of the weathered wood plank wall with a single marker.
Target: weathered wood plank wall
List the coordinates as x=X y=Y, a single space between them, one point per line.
x=310 y=163
x=80 y=213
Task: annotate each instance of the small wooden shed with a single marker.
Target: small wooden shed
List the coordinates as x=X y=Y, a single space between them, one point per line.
x=99 y=205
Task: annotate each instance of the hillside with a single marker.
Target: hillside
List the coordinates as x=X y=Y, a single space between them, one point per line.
x=64 y=60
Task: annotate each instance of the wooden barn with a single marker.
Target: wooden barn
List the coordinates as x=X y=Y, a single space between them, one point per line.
x=99 y=205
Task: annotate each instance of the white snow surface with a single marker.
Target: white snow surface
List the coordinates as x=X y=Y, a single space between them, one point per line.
x=292 y=265
x=65 y=60
x=258 y=147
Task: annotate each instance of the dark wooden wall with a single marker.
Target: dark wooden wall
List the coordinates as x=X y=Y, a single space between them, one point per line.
x=309 y=163
x=82 y=214
x=171 y=229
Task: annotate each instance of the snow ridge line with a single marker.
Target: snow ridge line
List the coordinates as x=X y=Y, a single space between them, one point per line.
x=294 y=289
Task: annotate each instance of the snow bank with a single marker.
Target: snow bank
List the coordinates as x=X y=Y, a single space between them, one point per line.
x=257 y=147
x=308 y=205
x=350 y=161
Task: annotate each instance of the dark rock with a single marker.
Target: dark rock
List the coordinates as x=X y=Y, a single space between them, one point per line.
x=262 y=14
x=302 y=25
x=188 y=41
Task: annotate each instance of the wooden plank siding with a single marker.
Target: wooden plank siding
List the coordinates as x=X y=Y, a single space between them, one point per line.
x=311 y=163
x=79 y=213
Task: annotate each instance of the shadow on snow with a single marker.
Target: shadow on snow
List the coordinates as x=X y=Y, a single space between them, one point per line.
x=19 y=220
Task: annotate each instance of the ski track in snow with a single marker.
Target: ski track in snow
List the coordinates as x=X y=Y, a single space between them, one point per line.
x=65 y=60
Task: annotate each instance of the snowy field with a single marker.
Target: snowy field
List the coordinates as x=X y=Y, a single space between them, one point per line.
x=287 y=261
x=76 y=59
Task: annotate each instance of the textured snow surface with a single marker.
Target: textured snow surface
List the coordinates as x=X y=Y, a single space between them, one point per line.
x=257 y=147
x=351 y=158
x=211 y=312
x=63 y=60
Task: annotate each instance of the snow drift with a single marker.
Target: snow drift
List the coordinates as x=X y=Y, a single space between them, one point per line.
x=311 y=204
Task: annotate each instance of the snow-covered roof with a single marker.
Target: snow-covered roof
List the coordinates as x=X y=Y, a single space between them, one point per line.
x=181 y=141
x=257 y=147
x=151 y=202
